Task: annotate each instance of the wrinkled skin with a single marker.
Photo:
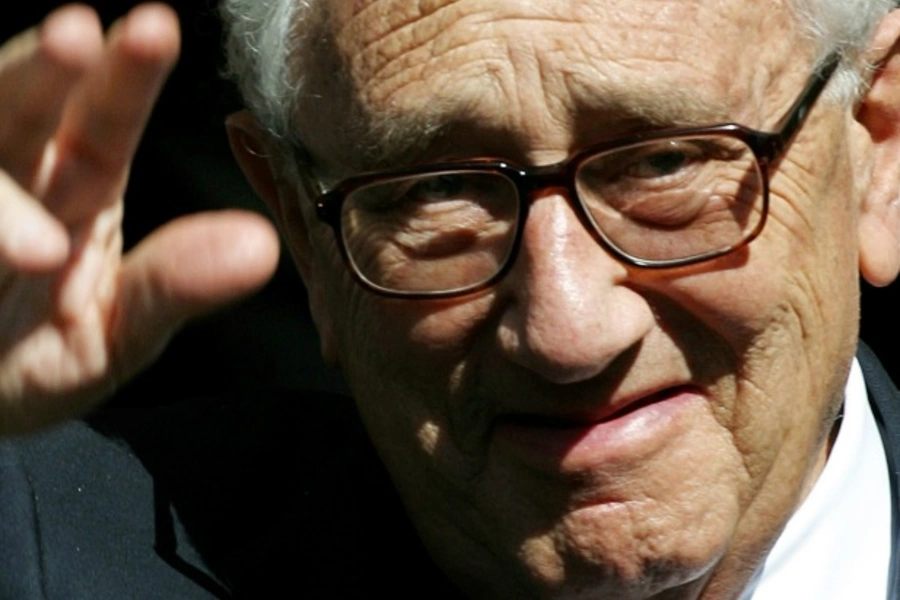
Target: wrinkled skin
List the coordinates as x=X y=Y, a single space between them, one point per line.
x=502 y=416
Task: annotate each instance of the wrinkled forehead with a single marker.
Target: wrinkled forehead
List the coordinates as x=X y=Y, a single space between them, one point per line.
x=410 y=68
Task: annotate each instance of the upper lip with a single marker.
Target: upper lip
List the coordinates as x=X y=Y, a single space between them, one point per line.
x=566 y=414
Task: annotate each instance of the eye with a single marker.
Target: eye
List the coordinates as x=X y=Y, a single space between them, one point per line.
x=669 y=158
x=413 y=192
x=441 y=187
x=660 y=164
x=647 y=166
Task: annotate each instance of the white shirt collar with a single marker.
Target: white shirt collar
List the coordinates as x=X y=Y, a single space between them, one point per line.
x=838 y=543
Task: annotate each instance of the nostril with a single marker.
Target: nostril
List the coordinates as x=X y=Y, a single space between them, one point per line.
x=566 y=345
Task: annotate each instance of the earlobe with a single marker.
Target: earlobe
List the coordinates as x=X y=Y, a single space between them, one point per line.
x=258 y=161
x=879 y=115
x=879 y=251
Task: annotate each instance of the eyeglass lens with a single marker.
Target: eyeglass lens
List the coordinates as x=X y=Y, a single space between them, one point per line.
x=673 y=199
x=435 y=232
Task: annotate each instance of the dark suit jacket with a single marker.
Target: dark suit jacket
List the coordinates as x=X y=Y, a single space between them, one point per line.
x=885 y=401
x=239 y=499
x=242 y=498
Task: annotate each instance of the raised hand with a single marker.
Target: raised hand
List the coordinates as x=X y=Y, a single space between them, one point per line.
x=76 y=316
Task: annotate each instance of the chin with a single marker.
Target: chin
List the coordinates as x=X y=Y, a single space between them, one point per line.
x=612 y=551
x=594 y=553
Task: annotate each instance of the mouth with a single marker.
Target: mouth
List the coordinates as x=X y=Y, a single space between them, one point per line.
x=566 y=421
x=630 y=430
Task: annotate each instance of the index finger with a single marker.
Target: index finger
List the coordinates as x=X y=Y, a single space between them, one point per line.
x=105 y=117
x=38 y=69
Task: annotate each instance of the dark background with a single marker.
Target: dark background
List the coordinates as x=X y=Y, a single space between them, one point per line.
x=184 y=165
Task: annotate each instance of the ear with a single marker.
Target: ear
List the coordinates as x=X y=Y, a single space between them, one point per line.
x=879 y=114
x=258 y=158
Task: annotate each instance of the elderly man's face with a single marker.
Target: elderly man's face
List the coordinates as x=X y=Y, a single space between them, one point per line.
x=586 y=429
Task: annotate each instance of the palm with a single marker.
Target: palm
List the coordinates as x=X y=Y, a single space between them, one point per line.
x=76 y=316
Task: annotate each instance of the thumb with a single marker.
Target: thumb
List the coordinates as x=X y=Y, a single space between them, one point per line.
x=182 y=270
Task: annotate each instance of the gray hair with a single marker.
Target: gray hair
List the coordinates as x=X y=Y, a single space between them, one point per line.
x=264 y=38
x=261 y=38
x=844 y=27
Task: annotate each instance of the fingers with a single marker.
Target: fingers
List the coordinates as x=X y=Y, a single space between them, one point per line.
x=73 y=108
x=38 y=70
x=184 y=269
x=31 y=240
x=106 y=114
x=77 y=316
x=74 y=105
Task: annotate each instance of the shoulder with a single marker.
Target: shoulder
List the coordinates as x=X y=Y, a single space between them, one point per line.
x=202 y=500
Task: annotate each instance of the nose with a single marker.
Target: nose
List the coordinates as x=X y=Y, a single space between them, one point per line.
x=570 y=312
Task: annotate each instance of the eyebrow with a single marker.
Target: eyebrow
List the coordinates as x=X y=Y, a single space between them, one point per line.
x=371 y=141
x=385 y=139
x=659 y=109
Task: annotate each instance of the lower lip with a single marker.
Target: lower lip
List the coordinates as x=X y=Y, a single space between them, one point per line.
x=634 y=434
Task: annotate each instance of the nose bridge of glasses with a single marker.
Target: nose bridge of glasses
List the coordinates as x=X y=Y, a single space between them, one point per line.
x=534 y=180
x=555 y=179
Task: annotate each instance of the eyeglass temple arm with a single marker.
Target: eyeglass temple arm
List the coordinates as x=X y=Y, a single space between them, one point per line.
x=788 y=126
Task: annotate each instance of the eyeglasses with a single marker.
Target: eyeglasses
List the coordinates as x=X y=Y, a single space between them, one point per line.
x=656 y=199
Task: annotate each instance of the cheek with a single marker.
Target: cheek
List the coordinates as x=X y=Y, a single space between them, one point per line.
x=784 y=311
x=404 y=360
x=791 y=295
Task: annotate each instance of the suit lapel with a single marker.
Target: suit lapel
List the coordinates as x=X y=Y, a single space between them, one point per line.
x=885 y=401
